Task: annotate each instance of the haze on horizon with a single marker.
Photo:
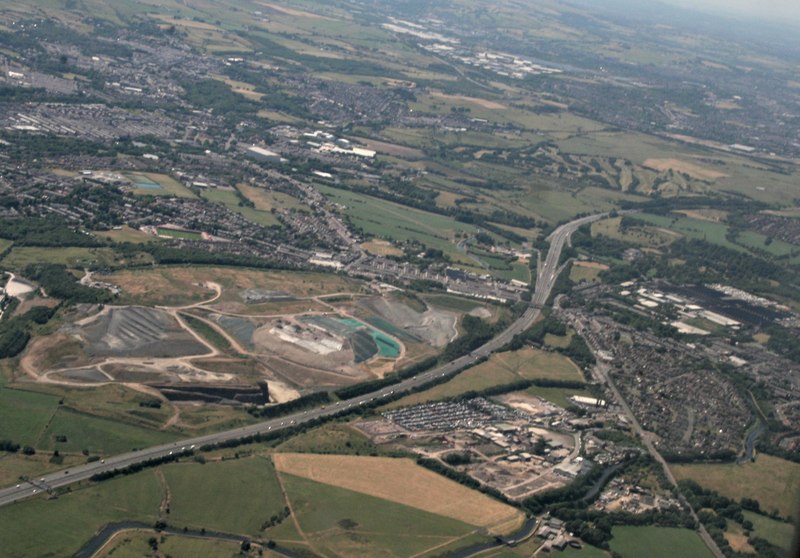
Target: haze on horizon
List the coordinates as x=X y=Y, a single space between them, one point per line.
x=781 y=11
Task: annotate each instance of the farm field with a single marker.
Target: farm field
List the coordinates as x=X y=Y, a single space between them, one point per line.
x=229 y=199
x=333 y=438
x=384 y=219
x=716 y=234
x=25 y=414
x=134 y=544
x=501 y=368
x=644 y=235
x=657 y=542
x=266 y=200
x=98 y=435
x=251 y=489
x=339 y=522
x=73 y=518
x=404 y=482
x=586 y=271
x=4 y=244
x=692 y=228
x=22 y=256
x=115 y=402
x=773 y=481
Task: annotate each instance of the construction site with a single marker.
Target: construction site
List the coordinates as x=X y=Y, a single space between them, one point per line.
x=269 y=346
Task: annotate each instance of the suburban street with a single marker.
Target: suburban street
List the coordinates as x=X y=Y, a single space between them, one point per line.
x=546 y=278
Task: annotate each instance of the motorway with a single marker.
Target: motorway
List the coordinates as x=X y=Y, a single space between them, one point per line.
x=546 y=277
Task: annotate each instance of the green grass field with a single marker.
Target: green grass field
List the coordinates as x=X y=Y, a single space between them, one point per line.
x=389 y=220
x=175 y=233
x=585 y=552
x=127 y=234
x=230 y=200
x=716 y=232
x=776 y=532
x=24 y=415
x=134 y=544
x=501 y=368
x=692 y=228
x=774 y=482
x=233 y=496
x=346 y=523
x=657 y=542
x=643 y=236
x=5 y=244
x=330 y=438
x=39 y=527
x=98 y=435
x=454 y=303
x=578 y=273
x=21 y=256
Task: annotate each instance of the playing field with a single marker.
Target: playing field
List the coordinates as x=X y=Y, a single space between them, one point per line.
x=658 y=542
x=404 y=482
x=774 y=482
x=156 y=184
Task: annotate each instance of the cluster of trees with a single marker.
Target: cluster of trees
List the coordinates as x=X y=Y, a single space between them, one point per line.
x=304 y=402
x=476 y=333
x=367 y=387
x=784 y=342
x=136 y=467
x=15 y=332
x=219 y=97
x=57 y=282
x=715 y=512
x=167 y=255
x=577 y=349
x=45 y=231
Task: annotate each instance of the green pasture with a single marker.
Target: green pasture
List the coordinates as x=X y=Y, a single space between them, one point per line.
x=41 y=527
x=657 y=542
x=233 y=496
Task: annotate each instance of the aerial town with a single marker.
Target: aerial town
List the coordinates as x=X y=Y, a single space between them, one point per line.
x=347 y=278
